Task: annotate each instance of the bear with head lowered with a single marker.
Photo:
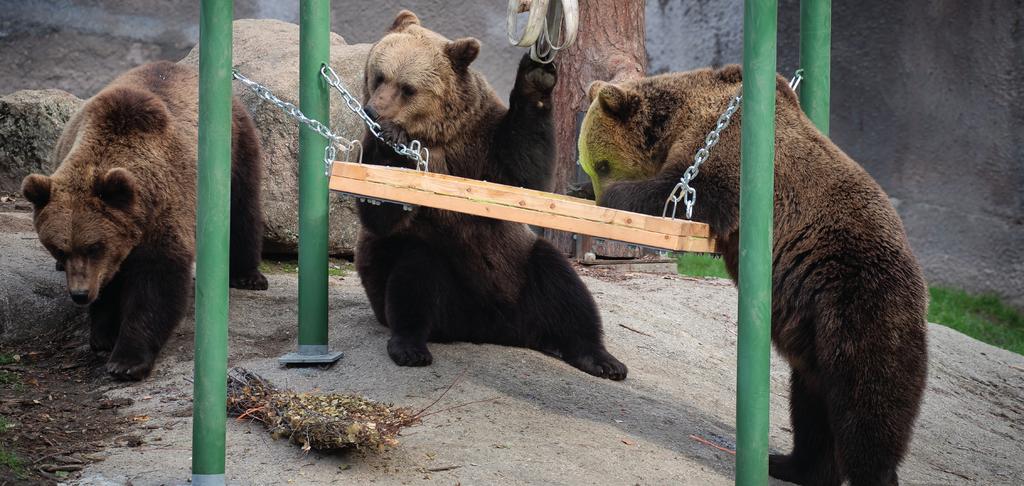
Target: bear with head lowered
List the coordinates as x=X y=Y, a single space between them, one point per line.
x=434 y=275
x=848 y=297
x=119 y=213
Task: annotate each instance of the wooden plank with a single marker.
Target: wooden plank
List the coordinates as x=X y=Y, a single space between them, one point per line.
x=518 y=197
x=520 y=214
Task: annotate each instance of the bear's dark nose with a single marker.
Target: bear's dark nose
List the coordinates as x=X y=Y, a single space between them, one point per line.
x=370 y=112
x=80 y=297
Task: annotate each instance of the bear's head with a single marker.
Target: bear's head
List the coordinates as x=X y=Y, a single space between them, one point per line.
x=415 y=76
x=631 y=130
x=89 y=213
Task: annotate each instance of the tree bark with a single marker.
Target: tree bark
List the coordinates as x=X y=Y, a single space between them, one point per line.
x=610 y=46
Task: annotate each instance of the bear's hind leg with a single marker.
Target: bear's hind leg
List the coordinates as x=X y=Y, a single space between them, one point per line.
x=813 y=458
x=417 y=298
x=105 y=318
x=872 y=425
x=558 y=313
x=153 y=300
x=246 y=216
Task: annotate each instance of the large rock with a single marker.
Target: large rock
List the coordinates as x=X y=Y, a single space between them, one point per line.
x=30 y=123
x=267 y=51
x=33 y=295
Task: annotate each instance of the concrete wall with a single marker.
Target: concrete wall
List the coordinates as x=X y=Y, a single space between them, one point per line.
x=927 y=94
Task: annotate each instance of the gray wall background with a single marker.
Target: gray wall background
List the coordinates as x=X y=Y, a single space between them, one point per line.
x=927 y=94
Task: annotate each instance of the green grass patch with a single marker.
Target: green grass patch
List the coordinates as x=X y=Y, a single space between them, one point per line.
x=983 y=317
x=11 y=462
x=336 y=267
x=8 y=358
x=4 y=424
x=698 y=265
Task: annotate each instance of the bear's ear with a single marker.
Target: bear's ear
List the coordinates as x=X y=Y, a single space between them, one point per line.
x=405 y=18
x=594 y=88
x=616 y=101
x=124 y=111
x=116 y=188
x=462 y=52
x=36 y=188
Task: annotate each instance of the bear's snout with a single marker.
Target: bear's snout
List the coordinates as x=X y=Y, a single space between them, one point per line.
x=80 y=297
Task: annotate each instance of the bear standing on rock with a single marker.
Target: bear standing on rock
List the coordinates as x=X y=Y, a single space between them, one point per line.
x=119 y=213
x=848 y=298
x=434 y=275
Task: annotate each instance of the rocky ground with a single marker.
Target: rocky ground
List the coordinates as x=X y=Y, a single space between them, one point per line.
x=512 y=416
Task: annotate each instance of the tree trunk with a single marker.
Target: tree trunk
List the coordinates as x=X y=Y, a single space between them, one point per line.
x=609 y=47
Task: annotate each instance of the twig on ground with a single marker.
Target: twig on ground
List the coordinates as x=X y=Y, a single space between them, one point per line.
x=636 y=330
x=712 y=444
x=443 y=468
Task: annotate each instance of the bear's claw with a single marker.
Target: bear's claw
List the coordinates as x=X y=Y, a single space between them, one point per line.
x=534 y=79
x=130 y=367
x=406 y=353
x=601 y=364
x=252 y=281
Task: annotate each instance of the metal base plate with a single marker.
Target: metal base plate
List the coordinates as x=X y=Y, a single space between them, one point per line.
x=300 y=359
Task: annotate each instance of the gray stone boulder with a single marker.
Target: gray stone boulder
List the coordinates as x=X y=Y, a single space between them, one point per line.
x=267 y=51
x=30 y=123
x=33 y=294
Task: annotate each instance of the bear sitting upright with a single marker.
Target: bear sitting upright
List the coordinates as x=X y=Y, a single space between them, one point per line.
x=434 y=275
x=119 y=213
x=848 y=298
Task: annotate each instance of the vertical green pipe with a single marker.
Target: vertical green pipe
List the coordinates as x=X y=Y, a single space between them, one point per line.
x=212 y=222
x=815 y=46
x=314 y=44
x=755 y=269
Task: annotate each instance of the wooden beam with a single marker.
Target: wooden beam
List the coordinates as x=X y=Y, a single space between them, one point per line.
x=519 y=205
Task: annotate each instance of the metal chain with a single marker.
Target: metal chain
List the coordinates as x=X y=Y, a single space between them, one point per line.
x=334 y=141
x=683 y=191
x=415 y=150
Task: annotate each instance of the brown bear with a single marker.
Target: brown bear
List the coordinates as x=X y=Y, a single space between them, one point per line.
x=439 y=276
x=119 y=213
x=848 y=298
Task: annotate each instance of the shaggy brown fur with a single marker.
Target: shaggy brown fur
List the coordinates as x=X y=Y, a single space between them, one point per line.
x=848 y=297
x=442 y=276
x=118 y=214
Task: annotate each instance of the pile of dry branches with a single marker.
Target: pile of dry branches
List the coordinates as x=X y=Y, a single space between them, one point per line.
x=316 y=421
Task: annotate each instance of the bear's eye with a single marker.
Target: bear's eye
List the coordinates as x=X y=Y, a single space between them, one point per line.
x=602 y=167
x=377 y=80
x=408 y=91
x=94 y=249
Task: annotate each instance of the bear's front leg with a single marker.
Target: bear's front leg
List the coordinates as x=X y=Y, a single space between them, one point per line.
x=524 y=141
x=153 y=300
x=645 y=196
x=105 y=318
x=418 y=297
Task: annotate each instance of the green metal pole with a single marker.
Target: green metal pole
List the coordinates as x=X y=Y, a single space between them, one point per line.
x=209 y=410
x=815 y=46
x=314 y=101
x=755 y=270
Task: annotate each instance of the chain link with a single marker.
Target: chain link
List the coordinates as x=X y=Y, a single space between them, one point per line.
x=683 y=191
x=415 y=150
x=334 y=141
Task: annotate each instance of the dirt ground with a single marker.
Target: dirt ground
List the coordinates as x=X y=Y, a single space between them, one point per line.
x=519 y=417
